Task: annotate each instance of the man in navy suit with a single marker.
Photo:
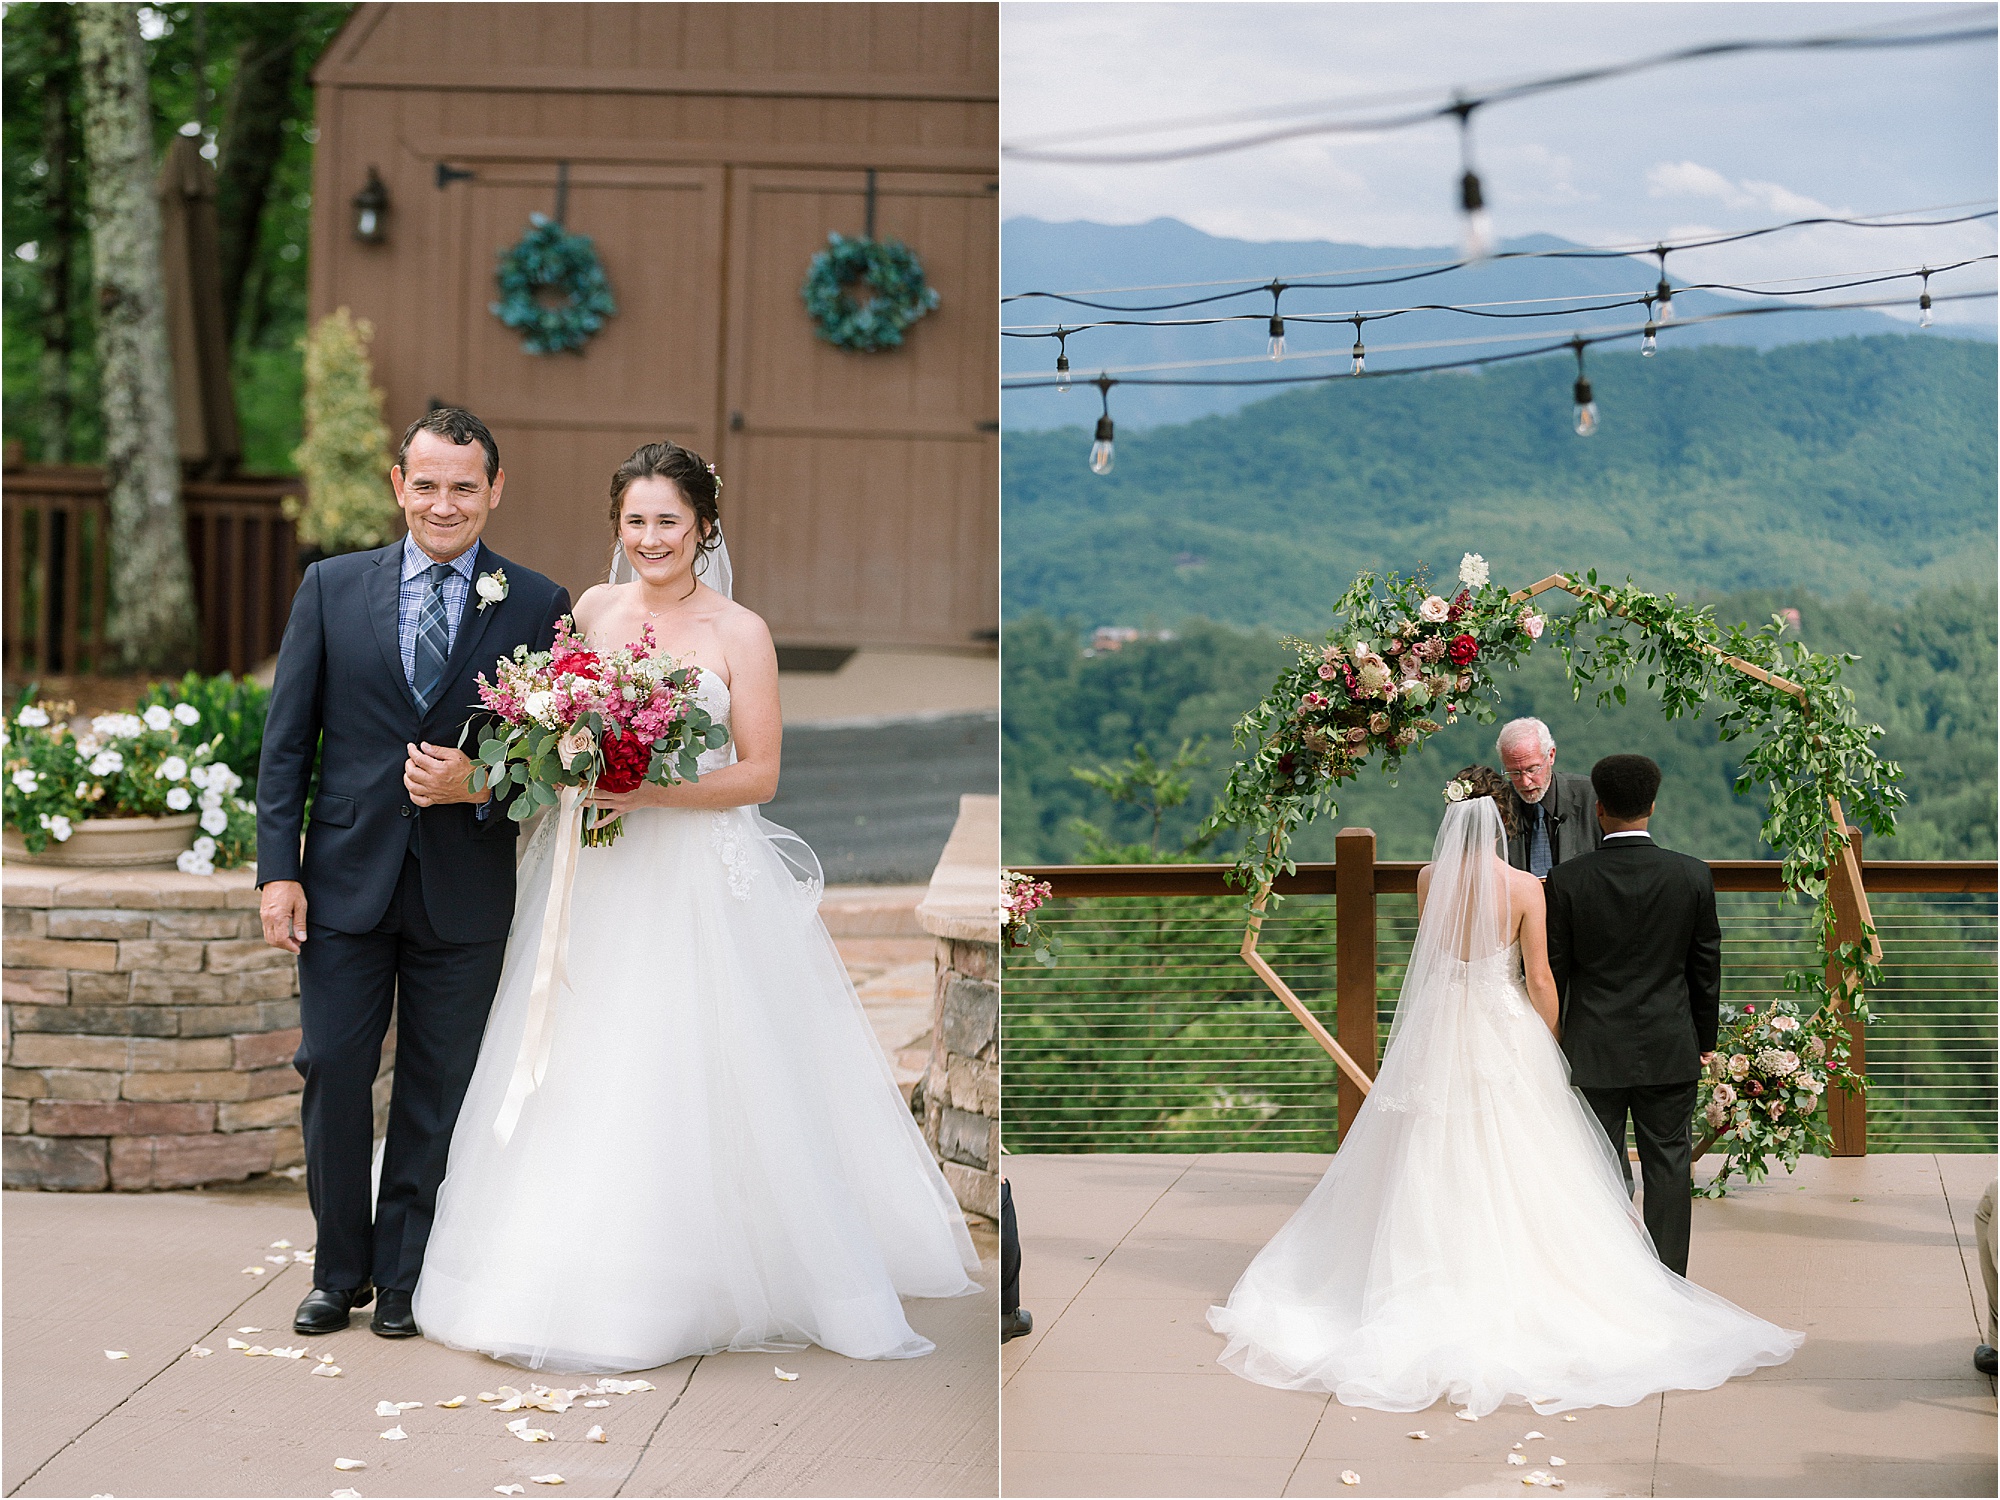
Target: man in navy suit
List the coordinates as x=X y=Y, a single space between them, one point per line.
x=403 y=893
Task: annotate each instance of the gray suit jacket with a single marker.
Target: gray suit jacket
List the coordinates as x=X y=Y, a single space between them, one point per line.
x=1575 y=832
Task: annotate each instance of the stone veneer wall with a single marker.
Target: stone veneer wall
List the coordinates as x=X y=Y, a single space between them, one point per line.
x=961 y=1089
x=149 y=1031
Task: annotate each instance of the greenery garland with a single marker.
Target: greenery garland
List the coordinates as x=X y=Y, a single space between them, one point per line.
x=549 y=258
x=891 y=271
x=1399 y=652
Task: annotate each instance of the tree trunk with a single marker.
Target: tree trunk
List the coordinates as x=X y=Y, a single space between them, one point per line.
x=56 y=261
x=152 y=617
x=252 y=141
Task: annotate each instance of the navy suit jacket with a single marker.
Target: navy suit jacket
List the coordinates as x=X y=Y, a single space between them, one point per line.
x=340 y=697
x=1636 y=952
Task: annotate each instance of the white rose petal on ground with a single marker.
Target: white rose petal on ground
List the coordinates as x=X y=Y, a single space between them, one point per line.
x=1420 y=1435
x=1466 y=1416
x=783 y=1374
x=454 y=1402
x=198 y=1352
x=1558 y=1462
x=238 y=1344
x=346 y=1495
x=1519 y=1446
x=597 y=1403
x=546 y=1478
x=349 y=1463
x=1569 y=1418
x=596 y=1435
x=520 y=1428
x=1531 y=1437
x=249 y=1330
x=488 y=1396
x=288 y=1354
x=394 y=1434
x=116 y=1354
x=387 y=1409
x=253 y=1270
x=1517 y=1458
x=255 y=1351
x=327 y=1370
x=510 y=1489
x=1348 y=1476
x=279 y=1260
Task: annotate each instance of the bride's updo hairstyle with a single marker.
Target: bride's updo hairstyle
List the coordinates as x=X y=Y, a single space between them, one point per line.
x=691 y=474
x=1487 y=782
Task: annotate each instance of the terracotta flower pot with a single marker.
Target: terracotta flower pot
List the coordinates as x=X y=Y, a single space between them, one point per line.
x=111 y=843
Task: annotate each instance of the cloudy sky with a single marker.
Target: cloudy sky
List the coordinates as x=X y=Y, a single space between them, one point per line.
x=1690 y=149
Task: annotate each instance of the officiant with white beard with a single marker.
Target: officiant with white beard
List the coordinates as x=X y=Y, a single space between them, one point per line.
x=1553 y=815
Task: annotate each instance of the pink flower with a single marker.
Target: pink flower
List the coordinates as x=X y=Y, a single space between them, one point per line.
x=1533 y=623
x=1326 y=672
x=1378 y=723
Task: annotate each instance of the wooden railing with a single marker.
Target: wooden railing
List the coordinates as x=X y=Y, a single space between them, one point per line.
x=1355 y=878
x=57 y=561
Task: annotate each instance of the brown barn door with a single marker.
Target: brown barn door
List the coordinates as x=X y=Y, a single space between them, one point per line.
x=862 y=495
x=565 y=421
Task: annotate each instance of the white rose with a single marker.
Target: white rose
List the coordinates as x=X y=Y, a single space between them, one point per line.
x=1434 y=609
x=540 y=707
x=213 y=820
x=179 y=800
x=1472 y=570
x=60 y=827
x=26 y=779
x=107 y=763
x=157 y=718
x=32 y=718
x=186 y=713
x=173 y=768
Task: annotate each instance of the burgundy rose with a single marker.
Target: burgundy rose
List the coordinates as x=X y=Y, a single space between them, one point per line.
x=1462 y=650
x=1452 y=614
x=626 y=757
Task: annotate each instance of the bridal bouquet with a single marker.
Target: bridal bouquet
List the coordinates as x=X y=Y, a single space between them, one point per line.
x=1764 y=1092
x=574 y=717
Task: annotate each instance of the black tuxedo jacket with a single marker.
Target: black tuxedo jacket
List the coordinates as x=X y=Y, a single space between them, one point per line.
x=1576 y=831
x=1637 y=955
x=340 y=697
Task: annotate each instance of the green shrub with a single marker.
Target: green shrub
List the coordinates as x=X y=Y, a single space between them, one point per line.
x=230 y=708
x=345 y=457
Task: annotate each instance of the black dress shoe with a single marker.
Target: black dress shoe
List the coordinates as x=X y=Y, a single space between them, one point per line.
x=393 y=1318
x=326 y=1309
x=1016 y=1323
x=1985 y=1359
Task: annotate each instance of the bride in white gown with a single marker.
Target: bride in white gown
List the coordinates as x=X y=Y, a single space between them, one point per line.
x=1473 y=1239
x=717 y=1156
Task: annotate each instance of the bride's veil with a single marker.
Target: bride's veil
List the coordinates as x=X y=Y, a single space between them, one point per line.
x=713 y=569
x=1466 y=914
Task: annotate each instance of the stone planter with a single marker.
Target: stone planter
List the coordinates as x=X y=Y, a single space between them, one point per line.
x=961 y=1089
x=111 y=843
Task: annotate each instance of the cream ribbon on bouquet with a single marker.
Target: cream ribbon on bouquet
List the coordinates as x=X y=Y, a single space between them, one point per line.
x=552 y=951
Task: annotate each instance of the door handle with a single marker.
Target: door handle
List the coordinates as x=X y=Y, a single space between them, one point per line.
x=736 y=421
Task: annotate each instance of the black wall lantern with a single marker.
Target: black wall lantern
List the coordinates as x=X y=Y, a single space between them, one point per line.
x=371 y=209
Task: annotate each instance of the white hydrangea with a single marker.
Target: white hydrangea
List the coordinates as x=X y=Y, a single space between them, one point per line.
x=186 y=713
x=173 y=768
x=1472 y=570
x=179 y=799
x=214 y=820
x=106 y=763
x=158 y=719
x=32 y=717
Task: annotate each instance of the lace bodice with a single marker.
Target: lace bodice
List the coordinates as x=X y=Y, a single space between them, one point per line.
x=712 y=693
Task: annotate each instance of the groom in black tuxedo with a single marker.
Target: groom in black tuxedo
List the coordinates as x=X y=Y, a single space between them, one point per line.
x=1637 y=955
x=404 y=891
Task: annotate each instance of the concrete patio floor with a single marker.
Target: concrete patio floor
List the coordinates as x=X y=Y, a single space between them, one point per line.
x=1117 y=1391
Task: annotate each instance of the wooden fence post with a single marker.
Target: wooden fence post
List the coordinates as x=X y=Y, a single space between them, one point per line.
x=1848 y=1113
x=1354 y=958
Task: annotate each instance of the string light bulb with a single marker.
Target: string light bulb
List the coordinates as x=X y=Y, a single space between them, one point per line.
x=1062 y=360
x=1586 y=404
x=1664 y=291
x=1924 y=302
x=1360 y=349
x=1276 y=347
x=1650 y=344
x=1477 y=242
x=1100 y=449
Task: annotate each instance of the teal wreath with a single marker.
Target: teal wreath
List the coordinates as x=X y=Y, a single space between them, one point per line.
x=549 y=257
x=892 y=273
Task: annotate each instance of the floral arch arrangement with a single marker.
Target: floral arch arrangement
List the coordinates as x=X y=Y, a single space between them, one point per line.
x=1402 y=661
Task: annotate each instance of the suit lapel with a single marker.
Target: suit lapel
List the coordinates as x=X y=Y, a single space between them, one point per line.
x=384 y=589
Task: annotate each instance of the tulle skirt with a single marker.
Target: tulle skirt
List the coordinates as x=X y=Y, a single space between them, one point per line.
x=1473 y=1240
x=717 y=1157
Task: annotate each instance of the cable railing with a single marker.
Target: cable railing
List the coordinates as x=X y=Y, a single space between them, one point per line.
x=1151 y=1034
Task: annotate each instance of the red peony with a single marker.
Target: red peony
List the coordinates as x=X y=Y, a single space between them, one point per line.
x=1462 y=650
x=578 y=663
x=626 y=757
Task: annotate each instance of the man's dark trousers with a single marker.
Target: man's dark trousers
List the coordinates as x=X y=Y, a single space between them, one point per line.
x=1659 y=1116
x=348 y=984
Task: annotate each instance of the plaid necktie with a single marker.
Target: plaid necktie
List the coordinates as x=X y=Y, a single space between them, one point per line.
x=433 y=637
x=1540 y=857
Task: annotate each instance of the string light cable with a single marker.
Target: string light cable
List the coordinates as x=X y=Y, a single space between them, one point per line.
x=1462 y=103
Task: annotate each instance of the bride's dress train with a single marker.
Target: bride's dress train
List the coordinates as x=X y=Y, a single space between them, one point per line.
x=1473 y=1239
x=717 y=1157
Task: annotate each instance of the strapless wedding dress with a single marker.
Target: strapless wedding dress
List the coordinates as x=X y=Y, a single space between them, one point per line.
x=1473 y=1239
x=717 y=1156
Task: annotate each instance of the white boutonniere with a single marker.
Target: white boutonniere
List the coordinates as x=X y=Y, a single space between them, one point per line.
x=492 y=587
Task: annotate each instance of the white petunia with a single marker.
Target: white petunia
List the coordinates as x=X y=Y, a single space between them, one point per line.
x=190 y=863
x=173 y=768
x=186 y=713
x=1472 y=570
x=158 y=719
x=26 y=780
x=204 y=848
x=32 y=717
x=107 y=763
x=180 y=800
x=60 y=829
x=213 y=820
x=117 y=726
